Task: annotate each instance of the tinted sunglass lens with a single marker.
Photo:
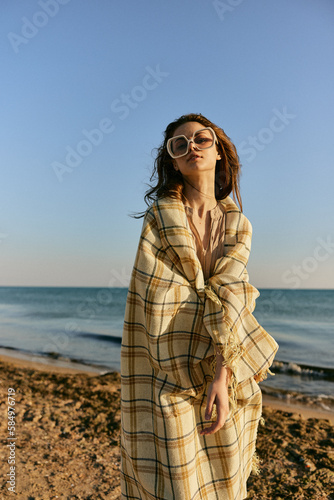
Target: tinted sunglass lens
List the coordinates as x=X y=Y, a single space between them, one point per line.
x=204 y=139
x=179 y=146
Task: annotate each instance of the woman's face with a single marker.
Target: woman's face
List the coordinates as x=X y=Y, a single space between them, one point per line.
x=196 y=160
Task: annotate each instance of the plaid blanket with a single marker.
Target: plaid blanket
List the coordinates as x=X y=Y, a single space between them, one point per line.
x=174 y=324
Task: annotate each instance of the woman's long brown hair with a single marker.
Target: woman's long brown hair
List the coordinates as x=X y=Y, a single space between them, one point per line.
x=169 y=182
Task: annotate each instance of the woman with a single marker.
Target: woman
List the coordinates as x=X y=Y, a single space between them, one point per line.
x=192 y=352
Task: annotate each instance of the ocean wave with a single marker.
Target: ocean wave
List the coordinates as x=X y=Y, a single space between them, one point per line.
x=101 y=337
x=49 y=314
x=300 y=369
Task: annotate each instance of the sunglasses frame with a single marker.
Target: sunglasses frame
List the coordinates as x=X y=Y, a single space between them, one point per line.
x=169 y=148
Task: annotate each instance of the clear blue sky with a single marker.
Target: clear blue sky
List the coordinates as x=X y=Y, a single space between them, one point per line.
x=261 y=70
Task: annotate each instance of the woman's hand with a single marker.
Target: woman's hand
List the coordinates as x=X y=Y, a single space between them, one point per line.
x=218 y=394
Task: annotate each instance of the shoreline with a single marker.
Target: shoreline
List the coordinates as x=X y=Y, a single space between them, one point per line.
x=303 y=411
x=47 y=363
x=50 y=365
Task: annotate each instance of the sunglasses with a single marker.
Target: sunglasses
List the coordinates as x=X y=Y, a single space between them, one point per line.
x=204 y=138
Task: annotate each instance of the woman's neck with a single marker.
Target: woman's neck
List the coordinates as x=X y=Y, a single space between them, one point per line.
x=200 y=196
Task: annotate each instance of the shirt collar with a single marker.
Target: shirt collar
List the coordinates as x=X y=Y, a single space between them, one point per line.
x=216 y=213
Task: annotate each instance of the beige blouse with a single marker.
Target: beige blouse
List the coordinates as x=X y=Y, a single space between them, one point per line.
x=208 y=256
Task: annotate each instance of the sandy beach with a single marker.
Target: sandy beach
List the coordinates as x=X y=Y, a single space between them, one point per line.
x=67 y=425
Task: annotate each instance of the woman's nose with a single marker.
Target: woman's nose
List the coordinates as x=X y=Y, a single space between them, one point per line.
x=192 y=144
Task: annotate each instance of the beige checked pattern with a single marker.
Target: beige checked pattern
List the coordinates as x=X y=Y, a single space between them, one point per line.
x=174 y=324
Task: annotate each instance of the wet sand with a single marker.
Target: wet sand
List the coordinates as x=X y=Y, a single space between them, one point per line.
x=67 y=425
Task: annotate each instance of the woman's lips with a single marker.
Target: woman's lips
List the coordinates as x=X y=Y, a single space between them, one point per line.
x=193 y=157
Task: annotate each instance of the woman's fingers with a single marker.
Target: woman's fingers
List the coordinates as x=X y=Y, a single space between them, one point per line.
x=215 y=426
x=218 y=395
x=209 y=404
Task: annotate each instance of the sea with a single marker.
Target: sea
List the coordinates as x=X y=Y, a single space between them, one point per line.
x=83 y=327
